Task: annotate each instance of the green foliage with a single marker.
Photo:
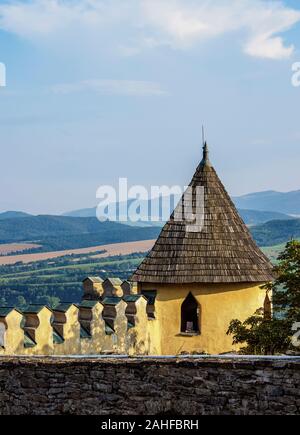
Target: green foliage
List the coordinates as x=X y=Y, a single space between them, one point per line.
x=287 y=285
x=263 y=335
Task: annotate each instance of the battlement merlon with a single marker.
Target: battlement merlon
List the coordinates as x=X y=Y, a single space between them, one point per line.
x=95 y=288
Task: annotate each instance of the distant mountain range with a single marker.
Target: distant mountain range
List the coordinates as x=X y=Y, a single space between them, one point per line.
x=282 y=202
x=250 y=217
x=254 y=208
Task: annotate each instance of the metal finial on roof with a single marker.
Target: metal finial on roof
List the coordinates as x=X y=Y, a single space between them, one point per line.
x=205 y=159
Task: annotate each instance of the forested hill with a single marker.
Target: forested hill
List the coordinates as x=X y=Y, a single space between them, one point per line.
x=61 y=232
x=276 y=232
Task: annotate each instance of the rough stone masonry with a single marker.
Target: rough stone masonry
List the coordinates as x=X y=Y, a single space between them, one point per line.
x=149 y=386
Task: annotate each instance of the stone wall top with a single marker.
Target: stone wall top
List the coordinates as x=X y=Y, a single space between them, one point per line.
x=236 y=361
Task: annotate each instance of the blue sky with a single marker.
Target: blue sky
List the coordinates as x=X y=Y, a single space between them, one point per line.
x=102 y=89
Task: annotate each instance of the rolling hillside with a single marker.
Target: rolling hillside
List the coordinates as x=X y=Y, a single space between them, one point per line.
x=61 y=232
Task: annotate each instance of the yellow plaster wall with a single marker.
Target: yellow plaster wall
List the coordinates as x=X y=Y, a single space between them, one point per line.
x=138 y=336
x=109 y=290
x=120 y=326
x=99 y=342
x=92 y=290
x=70 y=334
x=43 y=333
x=119 y=292
x=154 y=337
x=219 y=304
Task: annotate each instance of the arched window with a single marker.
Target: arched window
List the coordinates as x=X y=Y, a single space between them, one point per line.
x=190 y=312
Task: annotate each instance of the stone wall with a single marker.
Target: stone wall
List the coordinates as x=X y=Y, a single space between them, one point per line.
x=168 y=386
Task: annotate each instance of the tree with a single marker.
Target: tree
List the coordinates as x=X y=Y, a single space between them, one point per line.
x=264 y=334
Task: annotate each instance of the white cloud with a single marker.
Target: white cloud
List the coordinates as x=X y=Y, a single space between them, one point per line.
x=133 y=25
x=112 y=87
x=190 y=22
x=265 y=47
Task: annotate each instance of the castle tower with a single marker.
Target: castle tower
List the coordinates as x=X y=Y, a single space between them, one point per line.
x=205 y=273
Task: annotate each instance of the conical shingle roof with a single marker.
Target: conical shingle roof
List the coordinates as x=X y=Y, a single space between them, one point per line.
x=221 y=250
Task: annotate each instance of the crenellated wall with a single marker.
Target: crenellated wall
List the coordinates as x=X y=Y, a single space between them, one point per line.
x=113 y=325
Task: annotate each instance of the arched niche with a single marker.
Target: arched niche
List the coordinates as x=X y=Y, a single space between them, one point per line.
x=190 y=315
